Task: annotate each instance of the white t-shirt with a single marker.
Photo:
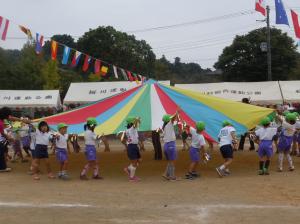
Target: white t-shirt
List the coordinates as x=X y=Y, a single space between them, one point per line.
x=197 y=139
x=288 y=129
x=61 y=141
x=132 y=136
x=32 y=140
x=90 y=137
x=169 y=133
x=266 y=133
x=24 y=131
x=42 y=138
x=225 y=135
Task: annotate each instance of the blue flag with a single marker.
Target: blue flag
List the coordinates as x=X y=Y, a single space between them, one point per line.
x=66 y=55
x=281 y=16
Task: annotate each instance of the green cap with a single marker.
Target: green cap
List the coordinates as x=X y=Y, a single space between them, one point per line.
x=166 y=118
x=61 y=125
x=226 y=123
x=91 y=121
x=6 y=122
x=130 y=119
x=291 y=117
x=285 y=113
x=296 y=113
x=265 y=121
x=200 y=125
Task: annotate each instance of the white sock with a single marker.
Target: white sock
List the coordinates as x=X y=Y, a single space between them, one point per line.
x=289 y=158
x=132 y=172
x=280 y=160
x=222 y=167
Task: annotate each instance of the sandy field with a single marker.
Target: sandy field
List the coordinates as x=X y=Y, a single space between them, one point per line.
x=243 y=197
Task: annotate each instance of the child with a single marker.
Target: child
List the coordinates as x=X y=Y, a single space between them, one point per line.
x=17 y=146
x=32 y=134
x=169 y=138
x=286 y=140
x=184 y=136
x=227 y=141
x=133 y=151
x=265 y=135
x=41 y=150
x=197 y=145
x=61 y=150
x=90 y=139
x=25 y=138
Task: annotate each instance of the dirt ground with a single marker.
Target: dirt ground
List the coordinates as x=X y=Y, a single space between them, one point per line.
x=243 y=197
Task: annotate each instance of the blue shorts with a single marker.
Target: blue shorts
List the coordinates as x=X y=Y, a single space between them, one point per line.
x=61 y=155
x=170 y=151
x=90 y=153
x=285 y=143
x=227 y=151
x=195 y=154
x=33 y=153
x=133 y=152
x=41 y=152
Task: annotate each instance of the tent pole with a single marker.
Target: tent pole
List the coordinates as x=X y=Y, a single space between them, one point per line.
x=281 y=92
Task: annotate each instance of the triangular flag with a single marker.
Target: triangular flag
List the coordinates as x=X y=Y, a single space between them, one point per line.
x=54 y=47
x=260 y=6
x=281 y=16
x=26 y=31
x=135 y=78
x=130 y=76
x=66 y=54
x=86 y=63
x=104 y=70
x=296 y=24
x=97 y=66
x=4 y=23
x=124 y=74
x=39 y=43
x=75 y=59
x=115 y=72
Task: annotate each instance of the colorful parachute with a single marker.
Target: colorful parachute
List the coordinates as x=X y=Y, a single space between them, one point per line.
x=151 y=101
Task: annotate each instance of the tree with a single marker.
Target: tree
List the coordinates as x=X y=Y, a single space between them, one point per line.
x=118 y=48
x=243 y=60
x=50 y=75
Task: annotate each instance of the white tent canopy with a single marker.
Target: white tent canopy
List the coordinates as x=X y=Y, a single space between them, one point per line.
x=290 y=90
x=86 y=92
x=258 y=92
x=30 y=98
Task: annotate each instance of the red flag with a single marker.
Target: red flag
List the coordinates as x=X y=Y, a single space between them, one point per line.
x=97 y=67
x=260 y=6
x=296 y=23
x=54 y=46
x=130 y=76
x=86 y=63
x=75 y=59
x=3 y=27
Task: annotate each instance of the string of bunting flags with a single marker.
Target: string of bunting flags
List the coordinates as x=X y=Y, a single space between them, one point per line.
x=281 y=15
x=100 y=67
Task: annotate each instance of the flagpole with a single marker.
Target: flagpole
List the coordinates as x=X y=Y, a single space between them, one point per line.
x=269 y=45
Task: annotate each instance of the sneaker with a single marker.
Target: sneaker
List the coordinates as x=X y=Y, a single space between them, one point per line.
x=260 y=172
x=134 y=179
x=65 y=177
x=226 y=172
x=194 y=174
x=189 y=177
x=51 y=176
x=97 y=177
x=266 y=171
x=165 y=177
x=36 y=177
x=127 y=171
x=220 y=172
x=279 y=169
x=292 y=168
x=7 y=169
x=83 y=177
x=174 y=179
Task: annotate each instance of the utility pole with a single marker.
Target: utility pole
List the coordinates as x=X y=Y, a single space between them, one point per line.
x=269 y=45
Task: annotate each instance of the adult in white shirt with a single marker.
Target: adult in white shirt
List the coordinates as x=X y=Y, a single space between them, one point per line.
x=226 y=139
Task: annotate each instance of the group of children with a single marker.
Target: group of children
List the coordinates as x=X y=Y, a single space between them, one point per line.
x=37 y=139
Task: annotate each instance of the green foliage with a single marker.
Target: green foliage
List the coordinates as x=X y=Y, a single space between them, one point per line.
x=50 y=75
x=243 y=60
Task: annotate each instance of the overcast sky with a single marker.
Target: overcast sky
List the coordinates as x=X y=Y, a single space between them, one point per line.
x=201 y=43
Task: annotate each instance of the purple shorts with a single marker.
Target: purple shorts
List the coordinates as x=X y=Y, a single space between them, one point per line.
x=194 y=154
x=265 y=148
x=170 y=151
x=25 y=141
x=61 y=155
x=17 y=146
x=90 y=153
x=285 y=143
